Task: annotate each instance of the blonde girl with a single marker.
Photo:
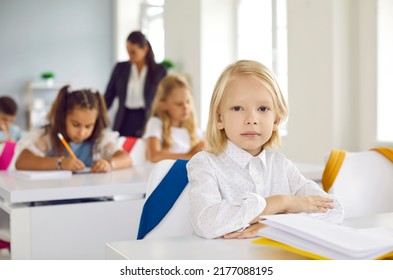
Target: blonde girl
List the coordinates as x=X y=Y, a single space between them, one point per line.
x=81 y=117
x=241 y=176
x=171 y=132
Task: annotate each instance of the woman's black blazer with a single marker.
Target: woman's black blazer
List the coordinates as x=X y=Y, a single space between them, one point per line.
x=117 y=87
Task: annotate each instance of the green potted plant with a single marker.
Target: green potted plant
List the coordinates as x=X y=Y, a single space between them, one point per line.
x=48 y=77
x=168 y=64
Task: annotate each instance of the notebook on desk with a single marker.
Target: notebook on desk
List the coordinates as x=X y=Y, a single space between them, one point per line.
x=41 y=175
x=321 y=240
x=83 y=171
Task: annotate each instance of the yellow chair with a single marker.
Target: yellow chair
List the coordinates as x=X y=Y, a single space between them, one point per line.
x=362 y=181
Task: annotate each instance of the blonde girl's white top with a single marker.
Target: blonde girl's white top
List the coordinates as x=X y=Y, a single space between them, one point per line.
x=37 y=142
x=180 y=136
x=228 y=190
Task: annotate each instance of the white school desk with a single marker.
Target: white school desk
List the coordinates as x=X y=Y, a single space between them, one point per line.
x=73 y=230
x=193 y=247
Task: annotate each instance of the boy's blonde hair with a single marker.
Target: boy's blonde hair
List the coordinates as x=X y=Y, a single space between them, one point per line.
x=165 y=88
x=216 y=138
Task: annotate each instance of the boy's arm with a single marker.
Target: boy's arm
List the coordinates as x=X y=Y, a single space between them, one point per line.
x=284 y=204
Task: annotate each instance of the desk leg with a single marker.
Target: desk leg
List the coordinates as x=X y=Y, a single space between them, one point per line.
x=20 y=233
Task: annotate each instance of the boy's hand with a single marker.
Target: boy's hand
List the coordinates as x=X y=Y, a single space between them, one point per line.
x=72 y=164
x=309 y=204
x=249 y=232
x=101 y=166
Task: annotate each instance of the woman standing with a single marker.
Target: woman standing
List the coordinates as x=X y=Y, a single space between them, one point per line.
x=134 y=82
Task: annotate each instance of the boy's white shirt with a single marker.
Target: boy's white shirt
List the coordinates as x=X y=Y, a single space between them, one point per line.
x=227 y=190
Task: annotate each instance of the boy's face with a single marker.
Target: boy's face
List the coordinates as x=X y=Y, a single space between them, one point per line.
x=247 y=114
x=80 y=124
x=6 y=120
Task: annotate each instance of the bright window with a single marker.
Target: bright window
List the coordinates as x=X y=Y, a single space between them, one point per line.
x=262 y=36
x=385 y=69
x=152 y=25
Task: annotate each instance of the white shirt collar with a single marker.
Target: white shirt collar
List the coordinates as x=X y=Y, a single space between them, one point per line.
x=241 y=156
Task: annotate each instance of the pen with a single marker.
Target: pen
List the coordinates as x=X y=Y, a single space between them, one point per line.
x=66 y=145
x=5 y=130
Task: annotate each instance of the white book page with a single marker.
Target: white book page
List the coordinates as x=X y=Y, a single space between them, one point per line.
x=317 y=248
x=345 y=240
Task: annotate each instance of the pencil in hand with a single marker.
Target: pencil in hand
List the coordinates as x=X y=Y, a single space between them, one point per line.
x=65 y=144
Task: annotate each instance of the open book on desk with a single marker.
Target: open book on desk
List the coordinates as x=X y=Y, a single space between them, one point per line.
x=41 y=174
x=321 y=240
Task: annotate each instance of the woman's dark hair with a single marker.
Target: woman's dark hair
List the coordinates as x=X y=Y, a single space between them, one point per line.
x=68 y=100
x=137 y=37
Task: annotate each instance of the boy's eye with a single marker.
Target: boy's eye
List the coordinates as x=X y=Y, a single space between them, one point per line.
x=236 y=108
x=263 y=109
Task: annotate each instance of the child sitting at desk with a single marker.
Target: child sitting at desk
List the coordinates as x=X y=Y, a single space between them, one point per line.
x=81 y=117
x=8 y=110
x=171 y=131
x=241 y=177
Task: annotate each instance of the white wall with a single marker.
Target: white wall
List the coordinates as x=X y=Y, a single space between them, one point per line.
x=183 y=40
x=367 y=65
x=385 y=68
x=322 y=99
x=218 y=47
x=71 y=38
